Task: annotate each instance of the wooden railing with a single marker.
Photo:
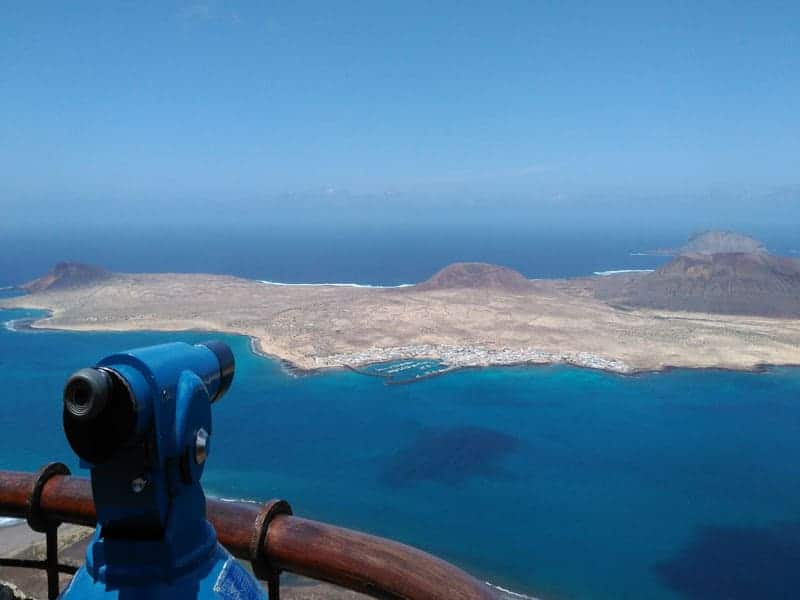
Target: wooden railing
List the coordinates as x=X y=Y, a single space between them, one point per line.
x=267 y=535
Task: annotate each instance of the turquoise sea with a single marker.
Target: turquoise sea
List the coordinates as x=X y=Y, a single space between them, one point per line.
x=555 y=482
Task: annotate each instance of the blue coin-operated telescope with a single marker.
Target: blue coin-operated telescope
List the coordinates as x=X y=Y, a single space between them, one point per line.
x=141 y=421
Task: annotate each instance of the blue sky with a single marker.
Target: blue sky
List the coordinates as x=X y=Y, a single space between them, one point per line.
x=159 y=102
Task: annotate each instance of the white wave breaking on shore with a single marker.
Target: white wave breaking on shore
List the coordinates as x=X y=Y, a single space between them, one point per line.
x=621 y=271
x=245 y=500
x=508 y=592
x=352 y=285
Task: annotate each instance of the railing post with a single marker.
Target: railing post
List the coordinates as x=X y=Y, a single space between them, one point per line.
x=52 y=561
x=261 y=567
x=39 y=522
x=274 y=585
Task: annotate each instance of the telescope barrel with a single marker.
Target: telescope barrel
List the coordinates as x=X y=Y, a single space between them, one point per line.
x=227 y=366
x=110 y=406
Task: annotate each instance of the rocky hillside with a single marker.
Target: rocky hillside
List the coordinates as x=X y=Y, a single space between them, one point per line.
x=66 y=275
x=748 y=283
x=476 y=276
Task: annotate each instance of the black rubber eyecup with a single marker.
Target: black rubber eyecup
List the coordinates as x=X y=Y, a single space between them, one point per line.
x=86 y=394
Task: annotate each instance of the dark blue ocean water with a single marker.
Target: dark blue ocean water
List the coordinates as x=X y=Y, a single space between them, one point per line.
x=383 y=255
x=557 y=482
x=372 y=253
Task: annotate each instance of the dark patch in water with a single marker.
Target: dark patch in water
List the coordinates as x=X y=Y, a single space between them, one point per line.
x=737 y=563
x=450 y=456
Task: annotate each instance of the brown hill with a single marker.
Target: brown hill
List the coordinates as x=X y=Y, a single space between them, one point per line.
x=476 y=276
x=754 y=283
x=66 y=275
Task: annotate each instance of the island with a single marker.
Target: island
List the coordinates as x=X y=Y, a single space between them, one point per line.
x=712 y=242
x=731 y=309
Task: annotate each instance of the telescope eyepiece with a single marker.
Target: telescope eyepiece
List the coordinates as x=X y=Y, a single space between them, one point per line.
x=99 y=413
x=86 y=394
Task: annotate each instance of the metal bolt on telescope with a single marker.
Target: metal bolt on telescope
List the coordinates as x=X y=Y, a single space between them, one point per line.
x=141 y=422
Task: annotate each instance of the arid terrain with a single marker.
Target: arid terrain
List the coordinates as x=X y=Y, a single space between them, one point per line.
x=469 y=314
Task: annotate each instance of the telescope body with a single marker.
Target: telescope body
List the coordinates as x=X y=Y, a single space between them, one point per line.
x=141 y=422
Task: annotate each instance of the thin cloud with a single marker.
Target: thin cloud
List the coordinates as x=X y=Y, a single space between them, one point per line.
x=494 y=174
x=209 y=10
x=535 y=169
x=200 y=11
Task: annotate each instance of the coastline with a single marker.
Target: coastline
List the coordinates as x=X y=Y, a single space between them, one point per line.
x=466 y=357
x=453 y=358
x=312 y=328
x=368 y=286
